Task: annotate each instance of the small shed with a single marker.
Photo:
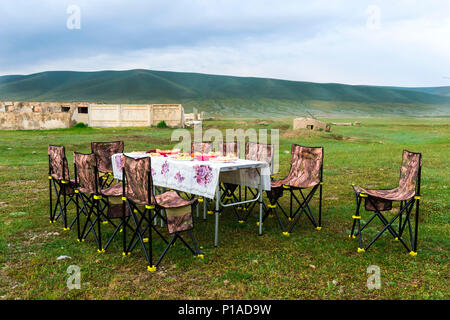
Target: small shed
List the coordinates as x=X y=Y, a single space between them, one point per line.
x=310 y=123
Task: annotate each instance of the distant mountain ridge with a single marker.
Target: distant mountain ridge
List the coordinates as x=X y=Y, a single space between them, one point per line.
x=224 y=95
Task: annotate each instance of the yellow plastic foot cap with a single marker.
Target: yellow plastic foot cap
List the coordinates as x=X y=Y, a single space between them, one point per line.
x=257 y=223
x=287 y=234
x=412 y=253
x=396 y=238
x=318 y=228
x=100 y=251
x=104 y=222
x=361 y=250
x=201 y=256
x=151 y=269
x=210 y=212
x=241 y=221
x=145 y=240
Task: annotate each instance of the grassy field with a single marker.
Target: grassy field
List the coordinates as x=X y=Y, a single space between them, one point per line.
x=308 y=265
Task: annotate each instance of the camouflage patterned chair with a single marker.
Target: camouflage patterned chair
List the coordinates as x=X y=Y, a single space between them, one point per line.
x=228 y=189
x=201 y=147
x=229 y=148
x=103 y=152
x=59 y=183
x=94 y=203
x=256 y=152
x=144 y=206
x=379 y=200
x=305 y=173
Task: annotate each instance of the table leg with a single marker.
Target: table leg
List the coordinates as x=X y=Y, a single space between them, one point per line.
x=198 y=211
x=204 y=208
x=216 y=234
x=260 y=204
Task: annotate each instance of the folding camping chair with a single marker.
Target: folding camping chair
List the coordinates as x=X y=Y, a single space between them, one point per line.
x=93 y=202
x=61 y=184
x=103 y=152
x=256 y=152
x=201 y=147
x=305 y=173
x=379 y=200
x=144 y=206
x=228 y=189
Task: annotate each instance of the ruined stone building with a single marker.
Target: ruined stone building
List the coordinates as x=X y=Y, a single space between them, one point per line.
x=310 y=123
x=52 y=115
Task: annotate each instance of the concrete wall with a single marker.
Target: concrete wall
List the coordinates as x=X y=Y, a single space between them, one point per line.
x=116 y=115
x=171 y=114
x=34 y=120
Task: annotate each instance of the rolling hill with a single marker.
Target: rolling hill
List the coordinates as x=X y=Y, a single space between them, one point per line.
x=224 y=95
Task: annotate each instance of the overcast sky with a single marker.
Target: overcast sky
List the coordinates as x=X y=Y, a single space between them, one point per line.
x=401 y=42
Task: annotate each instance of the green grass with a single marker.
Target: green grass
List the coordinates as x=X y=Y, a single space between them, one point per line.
x=245 y=265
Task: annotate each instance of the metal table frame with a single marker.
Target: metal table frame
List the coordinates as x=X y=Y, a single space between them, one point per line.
x=219 y=202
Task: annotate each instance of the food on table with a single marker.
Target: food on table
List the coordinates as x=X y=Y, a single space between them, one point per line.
x=223 y=159
x=155 y=154
x=181 y=156
x=213 y=154
x=165 y=153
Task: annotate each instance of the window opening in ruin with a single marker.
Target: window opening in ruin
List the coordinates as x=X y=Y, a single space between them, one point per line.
x=82 y=109
x=310 y=126
x=65 y=109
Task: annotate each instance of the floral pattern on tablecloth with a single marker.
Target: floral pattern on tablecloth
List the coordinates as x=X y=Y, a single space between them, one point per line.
x=197 y=177
x=165 y=168
x=203 y=174
x=179 y=177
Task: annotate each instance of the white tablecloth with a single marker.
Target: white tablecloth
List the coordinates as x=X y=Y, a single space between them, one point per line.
x=200 y=177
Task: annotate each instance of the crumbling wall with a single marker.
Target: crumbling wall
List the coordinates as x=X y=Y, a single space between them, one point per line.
x=34 y=120
x=31 y=114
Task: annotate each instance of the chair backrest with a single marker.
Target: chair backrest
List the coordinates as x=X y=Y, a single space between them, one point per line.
x=229 y=148
x=306 y=165
x=409 y=182
x=103 y=152
x=260 y=152
x=138 y=179
x=86 y=172
x=201 y=147
x=58 y=166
